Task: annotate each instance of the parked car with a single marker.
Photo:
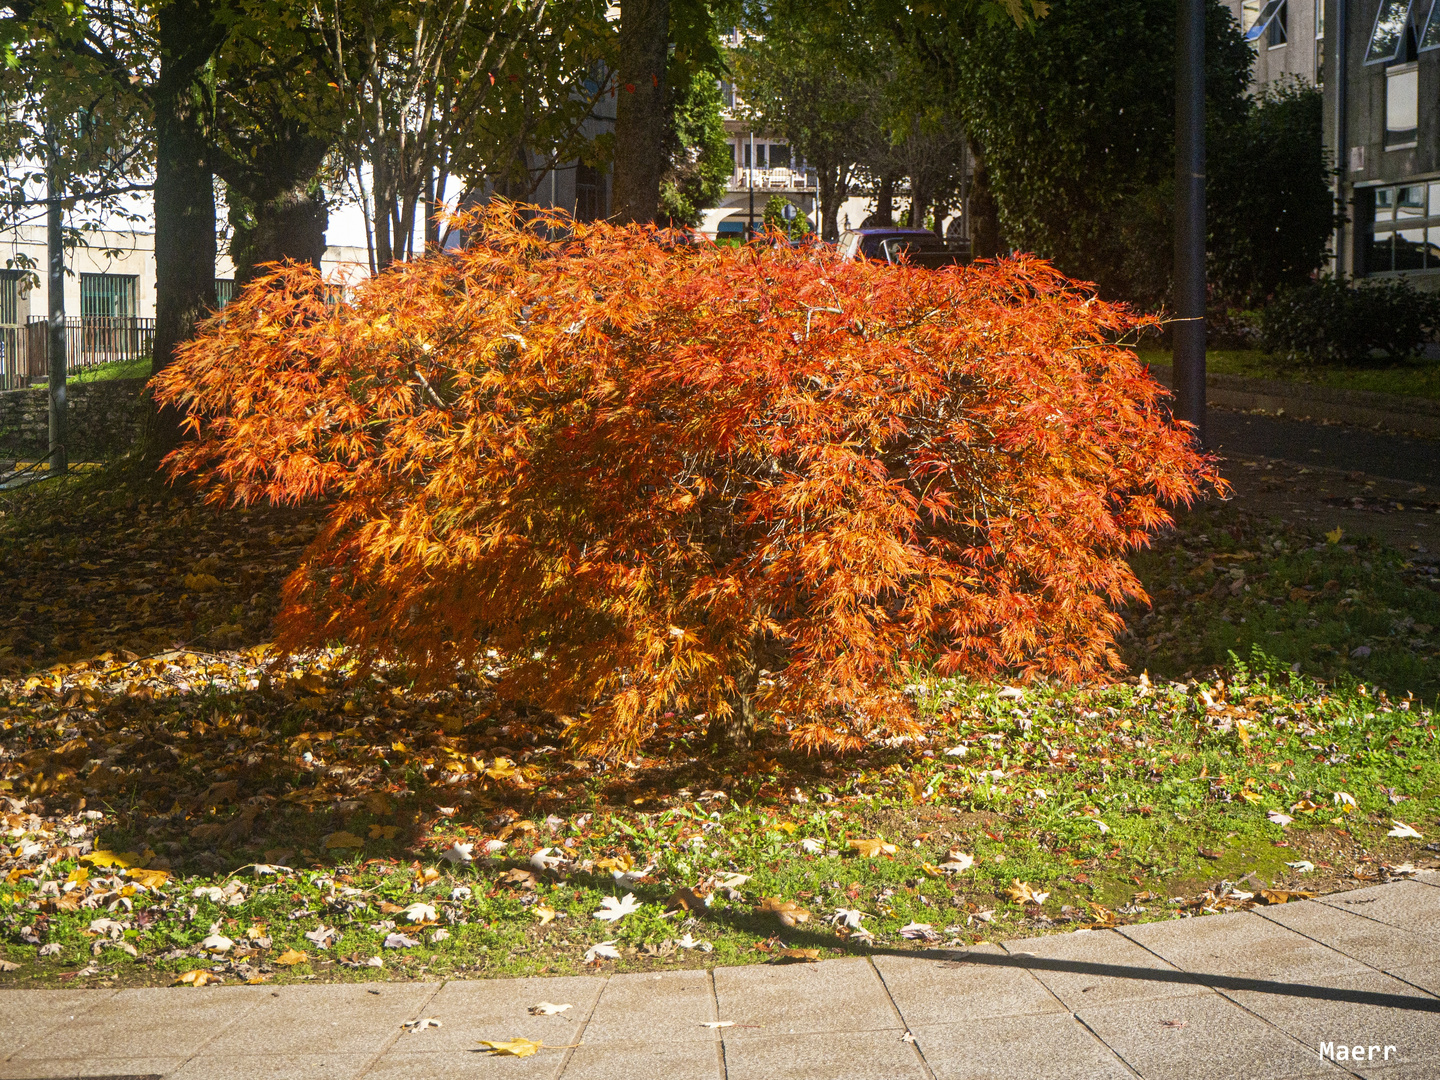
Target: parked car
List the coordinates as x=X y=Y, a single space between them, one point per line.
x=918 y=247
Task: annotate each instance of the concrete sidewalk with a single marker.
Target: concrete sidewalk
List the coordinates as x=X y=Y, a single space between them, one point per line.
x=1252 y=995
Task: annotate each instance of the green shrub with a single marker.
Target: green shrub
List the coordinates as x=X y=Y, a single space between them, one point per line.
x=1332 y=322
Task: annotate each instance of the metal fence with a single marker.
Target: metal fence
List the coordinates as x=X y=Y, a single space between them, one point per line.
x=89 y=341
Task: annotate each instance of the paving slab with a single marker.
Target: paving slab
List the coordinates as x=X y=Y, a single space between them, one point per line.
x=1410 y=905
x=1100 y=967
x=833 y=1055
x=641 y=1008
x=1206 y=1037
x=837 y=996
x=272 y=1067
x=1370 y=1009
x=1005 y=1047
x=28 y=1016
x=353 y=1018
x=1241 y=945
x=1379 y=945
x=500 y=1009
x=670 y=1061
x=474 y=1064
x=970 y=985
x=171 y=1023
x=142 y=1068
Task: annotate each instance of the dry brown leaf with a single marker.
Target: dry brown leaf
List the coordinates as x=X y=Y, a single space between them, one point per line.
x=343 y=839
x=1022 y=892
x=1282 y=896
x=787 y=911
x=809 y=956
x=687 y=899
x=517 y=876
x=291 y=957
x=870 y=848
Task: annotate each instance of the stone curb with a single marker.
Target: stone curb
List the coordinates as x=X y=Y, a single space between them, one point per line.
x=1365 y=408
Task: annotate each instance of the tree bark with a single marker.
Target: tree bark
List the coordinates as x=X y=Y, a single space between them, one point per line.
x=985 y=239
x=735 y=732
x=641 y=122
x=288 y=226
x=832 y=182
x=184 y=238
x=885 y=201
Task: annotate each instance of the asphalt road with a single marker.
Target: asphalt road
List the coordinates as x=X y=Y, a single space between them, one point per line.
x=1409 y=458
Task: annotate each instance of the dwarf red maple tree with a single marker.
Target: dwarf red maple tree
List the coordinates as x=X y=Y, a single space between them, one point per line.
x=657 y=476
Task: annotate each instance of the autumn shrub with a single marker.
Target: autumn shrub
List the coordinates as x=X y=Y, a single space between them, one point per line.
x=663 y=477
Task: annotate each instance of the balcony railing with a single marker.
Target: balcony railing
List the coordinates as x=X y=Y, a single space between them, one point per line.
x=779 y=179
x=90 y=340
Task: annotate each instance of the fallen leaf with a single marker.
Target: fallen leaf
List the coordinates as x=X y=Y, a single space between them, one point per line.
x=542 y=860
x=1282 y=896
x=1024 y=893
x=291 y=957
x=323 y=936
x=957 y=861
x=918 y=931
x=957 y=751
x=604 y=950
x=546 y=1008
x=1010 y=693
x=417 y=1026
x=1403 y=831
x=811 y=846
x=419 y=912
x=9 y=965
x=1174 y=1023
x=870 y=848
x=400 y=941
x=1279 y=819
x=613 y=909
x=518 y=876
x=217 y=943
x=545 y=914
x=195 y=978
x=377 y=832
x=151 y=879
x=809 y=956
x=686 y=899
x=516 y=1047
x=343 y=839
x=1304 y=866
x=122 y=859
x=717 y=1023
x=787 y=911
x=1335 y=535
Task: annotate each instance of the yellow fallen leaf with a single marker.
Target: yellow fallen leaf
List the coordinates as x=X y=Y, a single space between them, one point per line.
x=1334 y=535
x=383 y=832
x=932 y=870
x=807 y=955
x=787 y=827
x=503 y=769
x=1250 y=796
x=516 y=1047
x=79 y=875
x=544 y=914
x=195 y=978
x=870 y=848
x=201 y=582
x=151 y=879
x=1283 y=896
x=1022 y=892
x=343 y=839
x=291 y=957
x=122 y=859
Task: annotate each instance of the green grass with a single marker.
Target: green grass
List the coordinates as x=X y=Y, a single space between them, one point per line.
x=1133 y=801
x=1417 y=378
x=138 y=368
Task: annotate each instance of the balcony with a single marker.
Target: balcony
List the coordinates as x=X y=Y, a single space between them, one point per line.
x=777 y=179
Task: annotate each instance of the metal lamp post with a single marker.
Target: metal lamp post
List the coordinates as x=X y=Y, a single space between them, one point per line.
x=1190 y=216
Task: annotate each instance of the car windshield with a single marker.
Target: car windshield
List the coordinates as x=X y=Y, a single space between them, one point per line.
x=895 y=246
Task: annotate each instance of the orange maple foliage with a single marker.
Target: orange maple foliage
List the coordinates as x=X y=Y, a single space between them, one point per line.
x=657 y=476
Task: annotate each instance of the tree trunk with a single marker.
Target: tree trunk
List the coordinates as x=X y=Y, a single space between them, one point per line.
x=831 y=180
x=640 y=109
x=885 y=201
x=985 y=237
x=734 y=732
x=184 y=233
x=288 y=226
x=918 y=205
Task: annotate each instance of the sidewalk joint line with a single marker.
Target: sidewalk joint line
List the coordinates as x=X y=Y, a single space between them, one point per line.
x=579 y=1038
x=1352 y=956
x=1241 y=1005
x=399 y=1031
x=719 y=1032
x=905 y=1024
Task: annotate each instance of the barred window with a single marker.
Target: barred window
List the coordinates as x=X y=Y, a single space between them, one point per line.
x=109 y=296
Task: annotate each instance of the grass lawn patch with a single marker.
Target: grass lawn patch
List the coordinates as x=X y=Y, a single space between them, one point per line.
x=176 y=799
x=1413 y=378
x=138 y=368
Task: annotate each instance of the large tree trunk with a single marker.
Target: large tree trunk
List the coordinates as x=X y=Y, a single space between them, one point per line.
x=985 y=239
x=885 y=201
x=288 y=226
x=640 y=110
x=831 y=180
x=184 y=237
x=735 y=731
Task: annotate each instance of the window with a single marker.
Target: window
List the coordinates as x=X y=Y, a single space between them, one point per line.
x=10 y=297
x=224 y=291
x=108 y=296
x=1402 y=100
x=1387 y=39
x=1256 y=18
x=1430 y=36
x=589 y=193
x=1320 y=42
x=1405 y=235
x=779 y=156
x=1276 y=35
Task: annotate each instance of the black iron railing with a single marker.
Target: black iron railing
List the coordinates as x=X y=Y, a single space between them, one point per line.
x=90 y=340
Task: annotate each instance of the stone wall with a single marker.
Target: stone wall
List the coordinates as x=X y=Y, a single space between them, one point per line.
x=105 y=419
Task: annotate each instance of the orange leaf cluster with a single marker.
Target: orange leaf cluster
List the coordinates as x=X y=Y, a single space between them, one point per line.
x=661 y=476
